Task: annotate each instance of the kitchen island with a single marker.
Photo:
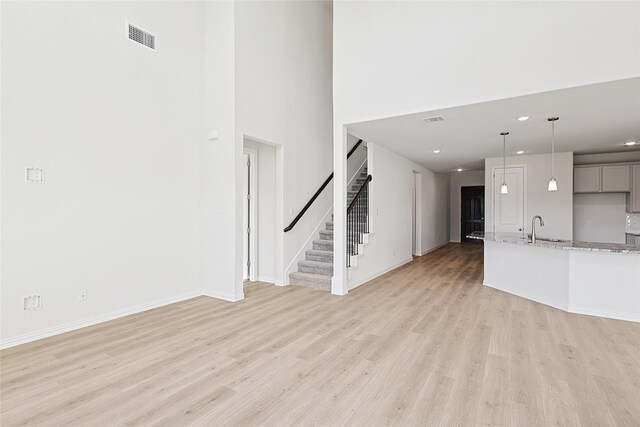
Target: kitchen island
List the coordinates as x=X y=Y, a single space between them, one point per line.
x=598 y=279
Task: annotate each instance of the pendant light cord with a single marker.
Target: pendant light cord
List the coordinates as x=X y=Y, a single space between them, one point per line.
x=504 y=159
x=553 y=149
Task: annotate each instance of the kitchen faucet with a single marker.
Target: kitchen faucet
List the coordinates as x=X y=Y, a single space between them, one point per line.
x=533 y=227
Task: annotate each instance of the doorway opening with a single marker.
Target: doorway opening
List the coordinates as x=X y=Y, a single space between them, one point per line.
x=262 y=247
x=471 y=212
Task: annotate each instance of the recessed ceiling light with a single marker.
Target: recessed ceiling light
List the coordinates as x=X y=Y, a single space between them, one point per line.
x=523 y=118
x=520 y=152
x=459 y=169
x=630 y=143
x=436 y=151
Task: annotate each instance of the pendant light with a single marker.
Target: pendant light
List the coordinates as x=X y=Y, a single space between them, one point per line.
x=553 y=185
x=504 y=189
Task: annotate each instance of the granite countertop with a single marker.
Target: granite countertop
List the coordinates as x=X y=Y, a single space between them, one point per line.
x=522 y=239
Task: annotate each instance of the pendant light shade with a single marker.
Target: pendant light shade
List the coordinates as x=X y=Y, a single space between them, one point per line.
x=553 y=184
x=503 y=188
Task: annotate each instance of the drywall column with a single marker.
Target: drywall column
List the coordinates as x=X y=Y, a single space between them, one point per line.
x=339 y=281
x=221 y=160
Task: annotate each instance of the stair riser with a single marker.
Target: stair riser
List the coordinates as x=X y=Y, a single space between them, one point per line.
x=323 y=245
x=325 y=271
x=312 y=285
x=326 y=235
x=310 y=256
x=329 y=226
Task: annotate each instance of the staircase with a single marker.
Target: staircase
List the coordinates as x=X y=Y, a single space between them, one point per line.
x=316 y=270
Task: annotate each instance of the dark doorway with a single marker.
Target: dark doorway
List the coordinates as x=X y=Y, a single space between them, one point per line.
x=471 y=212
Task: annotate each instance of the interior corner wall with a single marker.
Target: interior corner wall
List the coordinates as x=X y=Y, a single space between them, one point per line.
x=283 y=81
x=556 y=208
x=459 y=180
x=390 y=243
x=117 y=129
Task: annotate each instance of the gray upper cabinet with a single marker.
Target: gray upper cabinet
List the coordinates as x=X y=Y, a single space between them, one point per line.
x=634 y=197
x=612 y=178
x=587 y=179
x=616 y=179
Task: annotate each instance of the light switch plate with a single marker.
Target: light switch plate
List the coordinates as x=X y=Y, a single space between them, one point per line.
x=212 y=134
x=34 y=175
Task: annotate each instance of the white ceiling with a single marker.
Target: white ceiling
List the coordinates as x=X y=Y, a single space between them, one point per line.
x=597 y=118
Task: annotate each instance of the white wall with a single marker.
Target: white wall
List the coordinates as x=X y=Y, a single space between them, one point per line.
x=283 y=59
x=556 y=208
x=117 y=129
x=390 y=209
x=398 y=57
x=459 y=180
x=599 y=217
x=357 y=158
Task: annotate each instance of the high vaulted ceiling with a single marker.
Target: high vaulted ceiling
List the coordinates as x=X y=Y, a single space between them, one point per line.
x=597 y=118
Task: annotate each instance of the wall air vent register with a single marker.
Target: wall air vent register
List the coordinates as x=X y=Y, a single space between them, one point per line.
x=434 y=119
x=141 y=36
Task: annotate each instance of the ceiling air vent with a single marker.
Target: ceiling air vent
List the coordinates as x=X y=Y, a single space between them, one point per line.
x=434 y=119
x=143 y=37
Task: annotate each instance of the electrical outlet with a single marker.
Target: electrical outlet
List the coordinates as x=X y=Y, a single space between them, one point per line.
x=82 y=297
x=34 y=175
x=31 y=303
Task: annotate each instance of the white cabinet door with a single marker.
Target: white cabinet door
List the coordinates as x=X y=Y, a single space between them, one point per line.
x=616 y=179
x=587 y=179
x=508 y=209
x=634 y=198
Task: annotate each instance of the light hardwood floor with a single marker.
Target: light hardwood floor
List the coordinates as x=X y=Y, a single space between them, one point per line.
x=425 y=344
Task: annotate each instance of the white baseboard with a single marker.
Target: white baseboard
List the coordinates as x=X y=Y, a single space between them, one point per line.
x=93 y=320
x=377 y=274
x=588 y=312
x=553 y=304
x=224 y=296
x=434 y=248
x=266 y=279
x=570 y=308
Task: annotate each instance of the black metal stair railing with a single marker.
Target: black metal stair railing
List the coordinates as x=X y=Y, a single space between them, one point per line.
x=358 y=219
x=317 y=193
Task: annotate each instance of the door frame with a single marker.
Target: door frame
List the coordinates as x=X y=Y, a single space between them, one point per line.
x=493 y=196
x=253 y=212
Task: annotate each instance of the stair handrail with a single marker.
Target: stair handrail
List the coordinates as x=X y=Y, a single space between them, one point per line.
x=317 y=193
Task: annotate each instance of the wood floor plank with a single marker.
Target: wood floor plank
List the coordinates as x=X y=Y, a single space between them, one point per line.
x=423 y=345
